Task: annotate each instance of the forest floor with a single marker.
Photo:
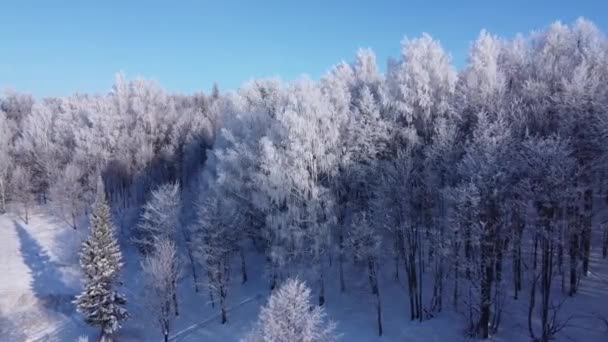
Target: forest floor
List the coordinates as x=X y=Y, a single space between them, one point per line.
x=39 y=276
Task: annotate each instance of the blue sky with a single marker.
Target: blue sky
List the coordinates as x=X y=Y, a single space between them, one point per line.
x=54 y=48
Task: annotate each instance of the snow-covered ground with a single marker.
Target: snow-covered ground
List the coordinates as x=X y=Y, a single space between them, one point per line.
x=39 y=276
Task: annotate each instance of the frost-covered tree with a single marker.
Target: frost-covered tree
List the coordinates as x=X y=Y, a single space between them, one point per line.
x=101 y=262
x=395 y=179
x=297 y=163
x=68 y=194
x=22 y=190
x=289 y=315
x=478 y=199
x=160 y=222
x=161 y=271
x=421 y=88
x=41 y=147
x=365 y=242
x=214 y=243
x=160 y=217
x=551 y=168
x=5 y=160
x=421 y=84
x=82 y=338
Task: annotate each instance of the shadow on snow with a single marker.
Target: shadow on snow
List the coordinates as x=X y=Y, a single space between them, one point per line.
x=47 y=280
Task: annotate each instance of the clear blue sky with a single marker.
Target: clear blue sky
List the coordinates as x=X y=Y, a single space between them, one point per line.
x=52 y=48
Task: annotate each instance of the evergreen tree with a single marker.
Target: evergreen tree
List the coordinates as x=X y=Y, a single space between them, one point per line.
x=100 y=259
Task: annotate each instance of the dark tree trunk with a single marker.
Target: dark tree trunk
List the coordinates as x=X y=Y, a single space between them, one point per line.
x=74 y=221
x=224 y=316
x=174 y=295
x=586 y=228
x=321 y=290
x=573 y=263
x=373 y=279
x=420 y=274
x=191 y=259
x=397 y=262
x=546 y=270
x=243 y=265
x=486 y=290
x=488 y=260
x=531 y=306
x=211 y=297
x=605 y=242
x=341 y=257
x=410 y=268
x=456 y=270
x=518 y=228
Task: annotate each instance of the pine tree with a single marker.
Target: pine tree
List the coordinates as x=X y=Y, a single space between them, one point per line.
x=100 y=259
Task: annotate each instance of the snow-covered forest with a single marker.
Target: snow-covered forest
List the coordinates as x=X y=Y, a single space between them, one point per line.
x=472 y=201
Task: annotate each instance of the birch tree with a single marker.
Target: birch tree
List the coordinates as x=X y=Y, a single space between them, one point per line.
x=161 y=271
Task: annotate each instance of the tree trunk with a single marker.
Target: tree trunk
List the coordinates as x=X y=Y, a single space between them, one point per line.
x=321 y=289
x=573 y=263
x=420 y=274
x=456 y=255
x=484 y=319
x=411 y=282
x=456 y=286
x=210 y=288
x=586 y=228
x=397 y=264
x=174 y=295
x=518 y=228
x=243 y=265
x=546 y=271
x=224 y=316
x=409 y=258
x=488 y=259
x=531 y=306
x=379 y=313
x=2 y=196
x=605 y=242
x=341 y=258
x=74 y=220
x=373 y=279
x=191 y=258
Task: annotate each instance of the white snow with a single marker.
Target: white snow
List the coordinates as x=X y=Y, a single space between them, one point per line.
x=39 y=275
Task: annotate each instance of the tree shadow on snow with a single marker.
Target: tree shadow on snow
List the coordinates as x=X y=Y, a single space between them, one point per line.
x=9 y=331
x=47 y=280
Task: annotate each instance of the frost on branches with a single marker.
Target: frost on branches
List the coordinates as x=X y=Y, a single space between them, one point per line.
x=100 y=260
x=161 y=270
x=290 y=316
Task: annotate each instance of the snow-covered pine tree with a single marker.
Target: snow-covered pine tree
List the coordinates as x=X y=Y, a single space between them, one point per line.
x=100 y=259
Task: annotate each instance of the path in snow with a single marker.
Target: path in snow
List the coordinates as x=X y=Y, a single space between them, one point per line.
x=184 y=332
